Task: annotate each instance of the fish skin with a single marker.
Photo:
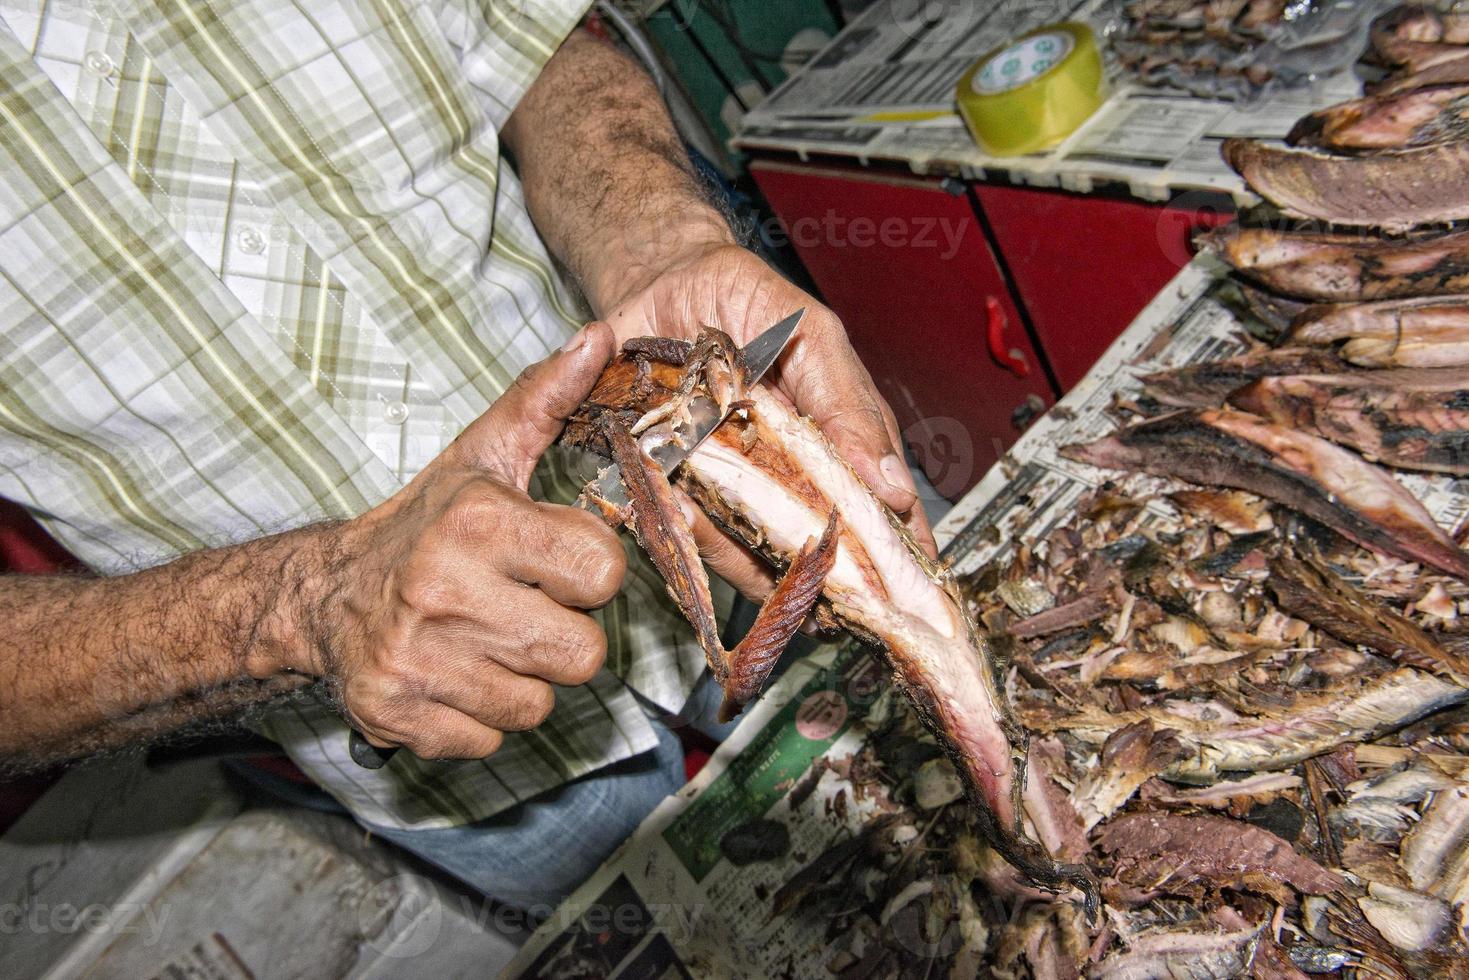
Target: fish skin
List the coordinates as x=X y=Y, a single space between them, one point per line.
x=1435 y=318
x=1411 y=419
x=1304 y=472
x=1373 y=352
x=1423 y=116
x=1173 y=852
x=1448 y=71
x=657 y=523
x=1206 y=385
x=769 y=477
x=1393 y=190
x=1332 y=267
x=1311 y=591
x=751 y=661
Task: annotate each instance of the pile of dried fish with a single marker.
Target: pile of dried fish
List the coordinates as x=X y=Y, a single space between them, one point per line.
x=1245 y=685
x=1233 y=49
x=1253 y=731
x=1185 y=43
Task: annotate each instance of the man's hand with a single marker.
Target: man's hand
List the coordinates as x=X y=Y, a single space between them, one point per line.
x=609 y=185
x=729 y=287
x=460 y=601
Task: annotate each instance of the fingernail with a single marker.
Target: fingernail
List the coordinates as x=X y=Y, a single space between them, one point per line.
x=896 y=474
x=577 y=339
x=689 y=513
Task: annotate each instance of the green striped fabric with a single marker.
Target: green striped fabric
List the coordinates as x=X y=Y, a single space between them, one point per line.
x=261 y=263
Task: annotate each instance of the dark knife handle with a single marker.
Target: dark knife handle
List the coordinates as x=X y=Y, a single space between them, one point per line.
x=367 y=755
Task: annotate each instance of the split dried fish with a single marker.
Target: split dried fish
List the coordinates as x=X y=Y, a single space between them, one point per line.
x=1333 y=267
x=1391 y=190
x=1307 y=474
x=771 y=478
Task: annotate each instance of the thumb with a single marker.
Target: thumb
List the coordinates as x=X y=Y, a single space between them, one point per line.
x=509 y=438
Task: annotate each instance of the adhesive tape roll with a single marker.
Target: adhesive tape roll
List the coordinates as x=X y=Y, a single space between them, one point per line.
x=1033 y=92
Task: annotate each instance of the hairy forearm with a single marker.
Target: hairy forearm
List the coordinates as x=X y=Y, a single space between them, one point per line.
x=606 y=177
x=94 y=663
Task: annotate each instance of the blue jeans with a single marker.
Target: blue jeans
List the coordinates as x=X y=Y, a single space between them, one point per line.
x=535 y=854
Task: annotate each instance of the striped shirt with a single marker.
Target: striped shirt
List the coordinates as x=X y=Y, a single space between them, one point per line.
x=261 y=263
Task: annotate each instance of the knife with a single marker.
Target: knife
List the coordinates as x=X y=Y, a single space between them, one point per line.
x=704 y=417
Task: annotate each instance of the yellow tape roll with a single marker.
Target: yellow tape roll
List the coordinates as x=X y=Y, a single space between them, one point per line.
x=1030 y=94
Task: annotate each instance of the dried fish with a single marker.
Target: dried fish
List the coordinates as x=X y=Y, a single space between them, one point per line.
x=1373 y=353
x=1391 y=190
x=1182 y=953
x=1422 y=116
x=1412 y=419
x=1436 y=852
x=1130 y=757
x=1436 y=319
x=1310 y=475
x=1331 y=267
x=771 y=478
x=1315 y=593
x=1189 y=855
x=1218 y=740
x=1207 y=384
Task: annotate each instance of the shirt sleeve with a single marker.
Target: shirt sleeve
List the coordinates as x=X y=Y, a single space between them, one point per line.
x=502 y=45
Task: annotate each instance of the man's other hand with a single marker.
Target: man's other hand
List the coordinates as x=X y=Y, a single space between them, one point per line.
x=729 y=287
x=451 y=609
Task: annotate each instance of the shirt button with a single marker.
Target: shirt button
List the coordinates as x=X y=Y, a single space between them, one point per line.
x=98 y=63
x=395 y=412
x=251 y=242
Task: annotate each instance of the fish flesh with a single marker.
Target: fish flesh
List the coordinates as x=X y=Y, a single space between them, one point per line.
x=1207 y=384
x=1372 y=352
x=1130 y=757
x=1436 y=852
x=1182 y=953
x=1439 y=319
x=1393 y=190
x=1447 y=71
x=771 y=478
x=1419 y=22
x=1412 y=419
x=1421 y=116
x=1308 y=474
x=1190 y=854
x=1217 y=740
x=1332 y=267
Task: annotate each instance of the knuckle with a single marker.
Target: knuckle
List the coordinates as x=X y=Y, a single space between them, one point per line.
x=487 y=744
x=586 y=654
x=530 y=706
x=593 y=558
x=479 y=508
x=424 y=588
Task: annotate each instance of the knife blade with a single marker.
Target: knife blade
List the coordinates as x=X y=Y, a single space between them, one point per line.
x=759 y=354
x=704 y=417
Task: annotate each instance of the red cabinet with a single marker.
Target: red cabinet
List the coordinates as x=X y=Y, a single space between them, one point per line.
x=905 y=264
x=1086 y=266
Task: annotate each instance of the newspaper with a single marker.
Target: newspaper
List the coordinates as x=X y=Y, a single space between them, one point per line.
x=669 y=903
x=893 y=62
